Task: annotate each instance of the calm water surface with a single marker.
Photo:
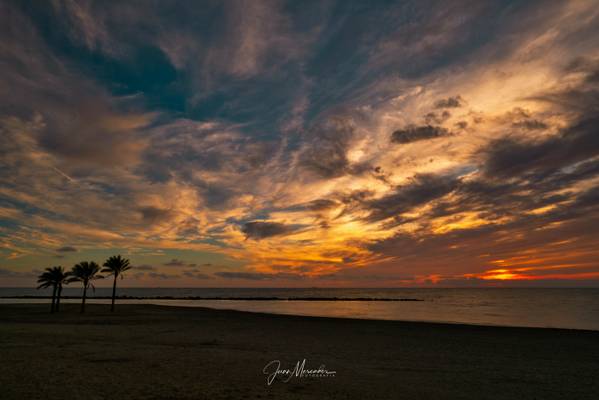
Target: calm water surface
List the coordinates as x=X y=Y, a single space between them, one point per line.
x=556 y=308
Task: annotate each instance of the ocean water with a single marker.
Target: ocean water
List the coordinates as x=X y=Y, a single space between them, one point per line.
x=528 y=307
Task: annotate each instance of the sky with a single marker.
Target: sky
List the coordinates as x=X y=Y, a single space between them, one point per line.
x=302 y=143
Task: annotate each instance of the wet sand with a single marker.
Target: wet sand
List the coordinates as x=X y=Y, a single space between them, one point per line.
x=160 y=352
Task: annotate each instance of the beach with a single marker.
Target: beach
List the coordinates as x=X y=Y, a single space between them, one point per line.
x=161 y=352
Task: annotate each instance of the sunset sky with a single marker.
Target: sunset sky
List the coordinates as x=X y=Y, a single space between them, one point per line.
x=302 y=143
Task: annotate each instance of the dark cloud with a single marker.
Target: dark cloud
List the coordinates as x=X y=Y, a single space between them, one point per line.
x=353 y=200
x=351 y=275
x=178 y=263
x=257 y=276
x=587 y=66
x=450 y=102
x=260 y=230
x=315 y=205
x=582 y=97
x=417 y=133
x=217 y=196
x=326 y=151
x=144 y=267
x=530 y=124
x=196 y=275
x=66 y=249
x=162 y=276
x=434 y=118
x=188 y=227
x=588 y=199
x=253 y=276
x=421 y=190
x=154 y=215
x=321 y=204
x=594 y=77
x=512 y=157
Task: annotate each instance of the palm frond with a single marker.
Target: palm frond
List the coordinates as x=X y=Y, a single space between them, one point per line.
x=84 y=272
x=44 y=285
x=116 y=265
x=52 y=276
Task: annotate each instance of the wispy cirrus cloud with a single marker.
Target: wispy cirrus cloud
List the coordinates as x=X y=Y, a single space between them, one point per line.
x=405 y=143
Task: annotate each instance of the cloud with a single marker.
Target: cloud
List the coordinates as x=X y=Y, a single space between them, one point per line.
x=196 y=275
x=66 y=249
x=197 y=128
x=314 y=205
x=255 y=276
x=263 y=229
x=144 y=267
x=507 y=156
x=177 y=263
x=161 y=276
x=536 y=243
x=259 y=32
x=243 y=275
x=78 y=120
x=84 y=28
x=325 y=153
x=421 y=190
x=152 y=215
x=417 y=133
x=530 y=124
x=585 y=65
x=87 y=133
x=450 y=102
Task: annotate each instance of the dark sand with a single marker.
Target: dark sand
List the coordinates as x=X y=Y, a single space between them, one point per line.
x=154 y=352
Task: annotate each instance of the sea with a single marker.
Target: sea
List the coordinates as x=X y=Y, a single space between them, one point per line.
x=570 y=308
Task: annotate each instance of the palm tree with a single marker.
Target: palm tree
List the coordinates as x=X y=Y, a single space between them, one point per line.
x=115 y=265
x=62 y=278
x=46 y=279
x=85 y=272
x=54 y=277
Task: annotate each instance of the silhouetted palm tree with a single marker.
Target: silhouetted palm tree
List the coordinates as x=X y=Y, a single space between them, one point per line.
x=62 y=278
x=115 y=265
x=46 y=279
x=54 y=277
x=85 y=272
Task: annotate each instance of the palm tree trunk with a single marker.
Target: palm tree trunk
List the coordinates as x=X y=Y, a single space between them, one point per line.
x=83 y=297
x=113 y=293
x=53 y=300
x=58 y=297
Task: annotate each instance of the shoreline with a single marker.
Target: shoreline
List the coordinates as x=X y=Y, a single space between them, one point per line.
x=401 y=321
x=355 y=309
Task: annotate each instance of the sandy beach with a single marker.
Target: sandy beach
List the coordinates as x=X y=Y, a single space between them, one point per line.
x=159 y=352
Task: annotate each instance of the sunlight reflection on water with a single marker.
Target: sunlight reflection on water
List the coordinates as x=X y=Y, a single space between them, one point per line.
x=558 y=308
